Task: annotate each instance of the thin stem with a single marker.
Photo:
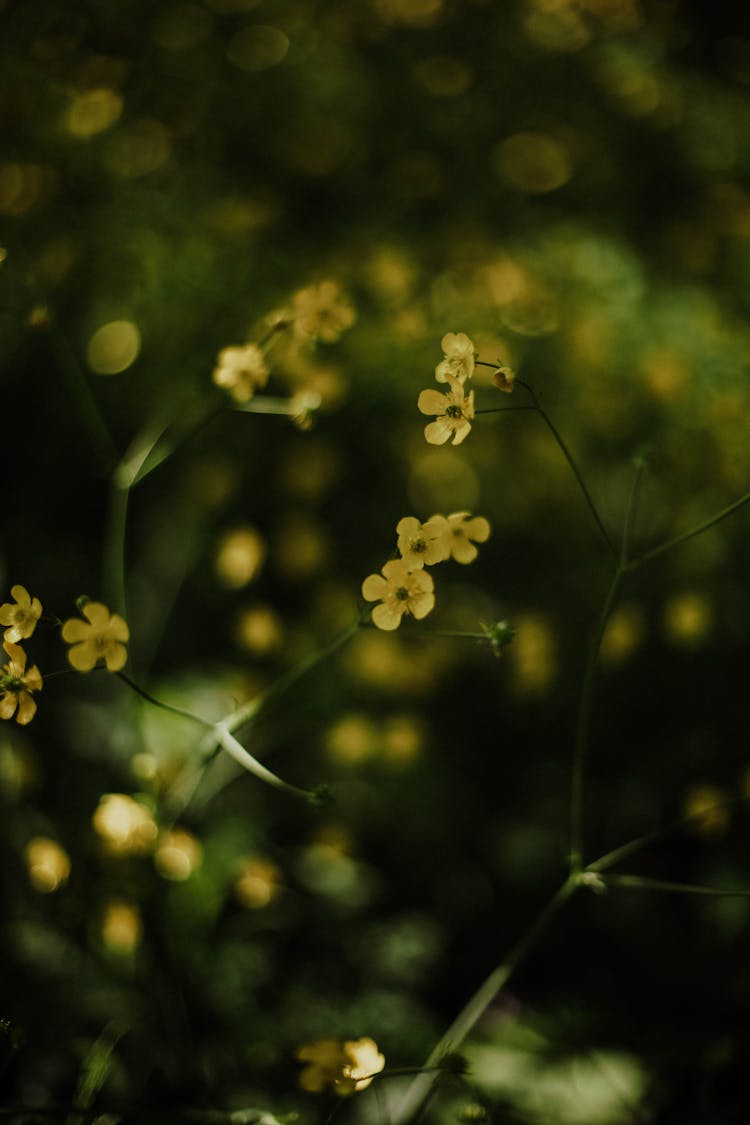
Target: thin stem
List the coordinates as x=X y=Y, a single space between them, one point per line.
x=571 y=462
x=678 y=539
x=422 y=1086
x=502 y=409
x=164 y=706
x=583 y=726
x=114 y=547
x=639 y=883
x=630 y=514
x=96 y=427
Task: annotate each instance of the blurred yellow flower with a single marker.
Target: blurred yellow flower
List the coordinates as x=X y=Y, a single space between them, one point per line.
x=321 y=312
x=454 y=413
x=400 y=590
x=101 y=636
x=21 y=617
x=125 y=826
x=48 y=864
x=422 y=544
x=460 y=529
x=458 y=358
x=241 y=371
x=16 y=686
x=347 y=1067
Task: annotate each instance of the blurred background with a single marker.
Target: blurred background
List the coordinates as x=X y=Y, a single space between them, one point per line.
x=567 y=182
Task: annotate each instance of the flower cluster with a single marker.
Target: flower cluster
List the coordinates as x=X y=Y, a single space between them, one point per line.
x=347 y=1067
x=454 y=409
x=319 y=312
x=403 y=585
x=102 y=636
x=17 y=684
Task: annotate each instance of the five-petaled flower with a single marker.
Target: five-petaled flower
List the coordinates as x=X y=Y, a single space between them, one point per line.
x=22 y=617
x=241 y=371
x=458 y=358
x=348 y=1067
x=461 y=529
x=454 y=410
x=102 y=636
x=399 y=590
x=321 y=312
x=16 y=686
x=422 y=544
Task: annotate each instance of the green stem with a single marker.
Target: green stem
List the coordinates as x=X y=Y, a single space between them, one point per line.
x=423 y=1085
x=164 y=706
x=630 y=514
x=571 y=462
x=583 y=726
x=114 y=548
x=678 y=539
x=639 y=883
x=502 y=409
x=101 y=438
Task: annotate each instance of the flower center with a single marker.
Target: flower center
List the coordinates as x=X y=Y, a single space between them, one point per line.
x=9 y=683
x=402 y=594
x=418 y=545
x=454 y=412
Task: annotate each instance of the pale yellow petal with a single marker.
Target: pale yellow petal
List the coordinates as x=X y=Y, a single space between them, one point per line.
x=463 y=550
x=118 y=628
x=461 y=431
x=421 y=605
x=409 y=525
x=26 y=708
x=388 y=617
x=96 y=613
x=477 y=529
x=33 y=679
x=432 y=402
x=374 y=587
x=396 y=570
x=83 y=657
x=115 y=657
x=437 y=433
x=22 y=596
x=7 y=705
x=75 y=630
x=17 y=658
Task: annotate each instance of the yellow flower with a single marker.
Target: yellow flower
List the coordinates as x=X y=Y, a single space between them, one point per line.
x=241 y=371
x=460 y=529
x=400 y=590
x=16 y=686
x=422 y=544
x=504 y=379
x=101 y=636
x=321 y=312
x=458 y=358
x=347 y=1067
x=454 y=411
x=21 y=617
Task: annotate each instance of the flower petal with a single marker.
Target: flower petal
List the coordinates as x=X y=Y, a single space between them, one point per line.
x=463 y=550
x=437 y=433
x=421 y=605
x=8 y=703
x=83 y=657
x=388 y=616
x=432 y=402
x=26 y=709
x=96 y=613
x=75 y=630
x=115 y=657
x=374 y=588
x=22 y=596
x=477 y=529
x=118 y=628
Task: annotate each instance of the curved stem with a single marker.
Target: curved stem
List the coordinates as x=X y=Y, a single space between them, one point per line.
x=96 y=427
x=641 y=884
x=571 y=462
x=584 y=723
x=423 y=1085
x=114 y=547
x=630 y=514
x=678 y=539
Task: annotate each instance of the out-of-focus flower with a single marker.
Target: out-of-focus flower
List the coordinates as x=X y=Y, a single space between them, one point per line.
x=321 y=312
x=241 y=371
x=302 y=407
x=22 y=617
x=454 y=413
x=121 y=926
x=258 y=882
x=17 y=685
x=47 y=863
x=422 y=544
x=102 y=636
x=125 y=826
x=240 y=556
x=399 y=590
x=504 y=379
x=348 y=1067
x=458 y=358
x=460 y=529
x=178 y=854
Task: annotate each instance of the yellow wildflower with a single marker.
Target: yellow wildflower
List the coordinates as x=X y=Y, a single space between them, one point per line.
x=347 y=1067
x=16 y=686
x=460 y=529
x=241 y=371
x=454 y=410
x=400 y=590
x=101 y=636
x=422 y=544
x=21 y=617
x=504 y=379
x=458 y=358
x=321 y=312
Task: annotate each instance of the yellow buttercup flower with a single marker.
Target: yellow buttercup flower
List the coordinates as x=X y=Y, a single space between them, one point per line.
x=422 y=544
x=458 y=358
x=461 y=528
x=22 y=617
x=400 y=590
x=321 y=312
x=102 y=636
x=241 y=371
x=504 y=379
x=348 y=1067
x=454 y=410
x=17 y=685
